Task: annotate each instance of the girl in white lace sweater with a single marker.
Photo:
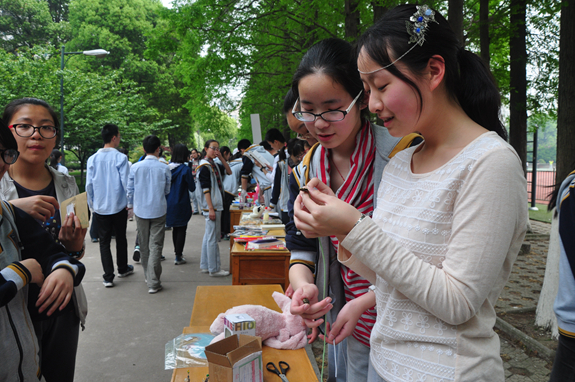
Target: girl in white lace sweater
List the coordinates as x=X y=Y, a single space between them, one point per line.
x=450 y=214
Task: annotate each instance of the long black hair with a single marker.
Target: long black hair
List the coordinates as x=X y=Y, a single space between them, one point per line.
x=54 y=156
x=7 y=139
x=467 y=79
x=335 y=58
x=180 y=154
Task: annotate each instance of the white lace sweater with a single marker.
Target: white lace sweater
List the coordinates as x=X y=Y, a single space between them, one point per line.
x=439 y=249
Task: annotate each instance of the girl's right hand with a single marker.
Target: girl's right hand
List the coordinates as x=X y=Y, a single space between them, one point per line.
x=35 y=270
x=313 y=310
x=212 y=215
x=40 y=207
x=345 y=323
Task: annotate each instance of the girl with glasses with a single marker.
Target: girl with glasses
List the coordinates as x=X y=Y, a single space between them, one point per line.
x=37 y=188
x=210 y=192
x=450 y=214
x=38 y=260
x=351 y=152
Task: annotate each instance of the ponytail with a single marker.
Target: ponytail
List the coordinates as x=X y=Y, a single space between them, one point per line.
x=477 y=93
x=54 y=156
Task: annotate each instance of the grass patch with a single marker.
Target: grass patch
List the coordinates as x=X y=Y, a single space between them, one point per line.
x=542 y=215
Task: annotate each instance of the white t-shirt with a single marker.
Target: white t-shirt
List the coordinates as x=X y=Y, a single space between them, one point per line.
x=62 y=169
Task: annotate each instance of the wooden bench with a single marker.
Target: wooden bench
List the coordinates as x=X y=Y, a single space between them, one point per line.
x=213 y=300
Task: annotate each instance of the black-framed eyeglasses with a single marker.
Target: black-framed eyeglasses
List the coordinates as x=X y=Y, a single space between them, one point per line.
x=328 y=116
x=9 y=156
x=26 y=130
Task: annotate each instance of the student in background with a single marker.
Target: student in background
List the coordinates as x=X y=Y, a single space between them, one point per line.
x=280 y=190
x=209 y=187
x=296 y=150
x=275 y=139
x=55 y=159
x=193 y=164
x=179 y=207
x=231 y=185
x=148 y=184
x=106 y=182
x=252 y=168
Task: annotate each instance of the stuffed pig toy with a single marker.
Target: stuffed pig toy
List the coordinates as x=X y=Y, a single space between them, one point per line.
x=277 y=330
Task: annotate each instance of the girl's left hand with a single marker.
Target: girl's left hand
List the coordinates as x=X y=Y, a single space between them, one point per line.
x=56 y=291
x=72 y=234
x=318 y=212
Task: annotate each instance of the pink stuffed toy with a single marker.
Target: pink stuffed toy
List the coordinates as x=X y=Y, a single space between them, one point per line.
x=277 y=330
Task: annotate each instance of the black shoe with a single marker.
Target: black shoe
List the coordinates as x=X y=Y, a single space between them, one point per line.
x=180 y=260
x=162 y=258
x=136 y=255
x=129 y=272
x=94 y=240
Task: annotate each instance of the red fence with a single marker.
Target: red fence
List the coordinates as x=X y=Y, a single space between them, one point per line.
x=544 y=185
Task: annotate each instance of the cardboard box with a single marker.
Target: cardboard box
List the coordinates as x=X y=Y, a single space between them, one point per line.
x=236 y=358
x=239 y=324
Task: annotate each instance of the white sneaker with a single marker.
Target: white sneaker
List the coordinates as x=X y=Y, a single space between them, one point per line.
x=220 y=273
x=204 y=271
x=155 y=290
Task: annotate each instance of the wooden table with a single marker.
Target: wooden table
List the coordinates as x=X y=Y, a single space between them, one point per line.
x=259 y=267
x=213 y=300
x=278 y=232
x=235 y=217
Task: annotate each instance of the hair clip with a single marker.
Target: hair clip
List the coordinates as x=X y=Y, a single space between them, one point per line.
x=417 y=24
x=416 y=27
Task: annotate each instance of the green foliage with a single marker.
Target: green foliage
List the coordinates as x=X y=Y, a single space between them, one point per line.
x=92 y=99
x=24 y=23
x=123 y=27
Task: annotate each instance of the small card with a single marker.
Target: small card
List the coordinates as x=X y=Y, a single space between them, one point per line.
x=79 y=206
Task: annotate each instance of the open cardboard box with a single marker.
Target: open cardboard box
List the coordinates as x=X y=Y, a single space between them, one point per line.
x=236 y=358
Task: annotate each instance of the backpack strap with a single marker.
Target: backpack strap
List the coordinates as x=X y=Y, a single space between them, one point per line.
x=301 y=172
x=404 y=143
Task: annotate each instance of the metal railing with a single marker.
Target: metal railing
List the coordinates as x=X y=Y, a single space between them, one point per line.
x=544 y=183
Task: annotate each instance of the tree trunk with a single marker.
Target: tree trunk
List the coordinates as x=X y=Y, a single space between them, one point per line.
x=351 y=20
x=566 y=109
x=518 y=81
x=378 y=11
x=455 y=18
x=484 y=30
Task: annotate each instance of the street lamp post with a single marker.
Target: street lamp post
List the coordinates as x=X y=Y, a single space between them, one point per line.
x=95 y=53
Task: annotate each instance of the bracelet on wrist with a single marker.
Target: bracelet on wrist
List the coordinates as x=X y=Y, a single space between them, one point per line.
x=363 y=216
x=77 y=254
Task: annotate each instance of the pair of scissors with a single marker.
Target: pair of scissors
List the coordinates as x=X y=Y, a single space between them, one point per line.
x=284 y=367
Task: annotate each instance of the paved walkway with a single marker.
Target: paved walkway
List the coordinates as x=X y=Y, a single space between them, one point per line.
x=127 y=328
x=524 y=285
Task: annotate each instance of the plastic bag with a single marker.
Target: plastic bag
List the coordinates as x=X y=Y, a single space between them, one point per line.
x=187 y=350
